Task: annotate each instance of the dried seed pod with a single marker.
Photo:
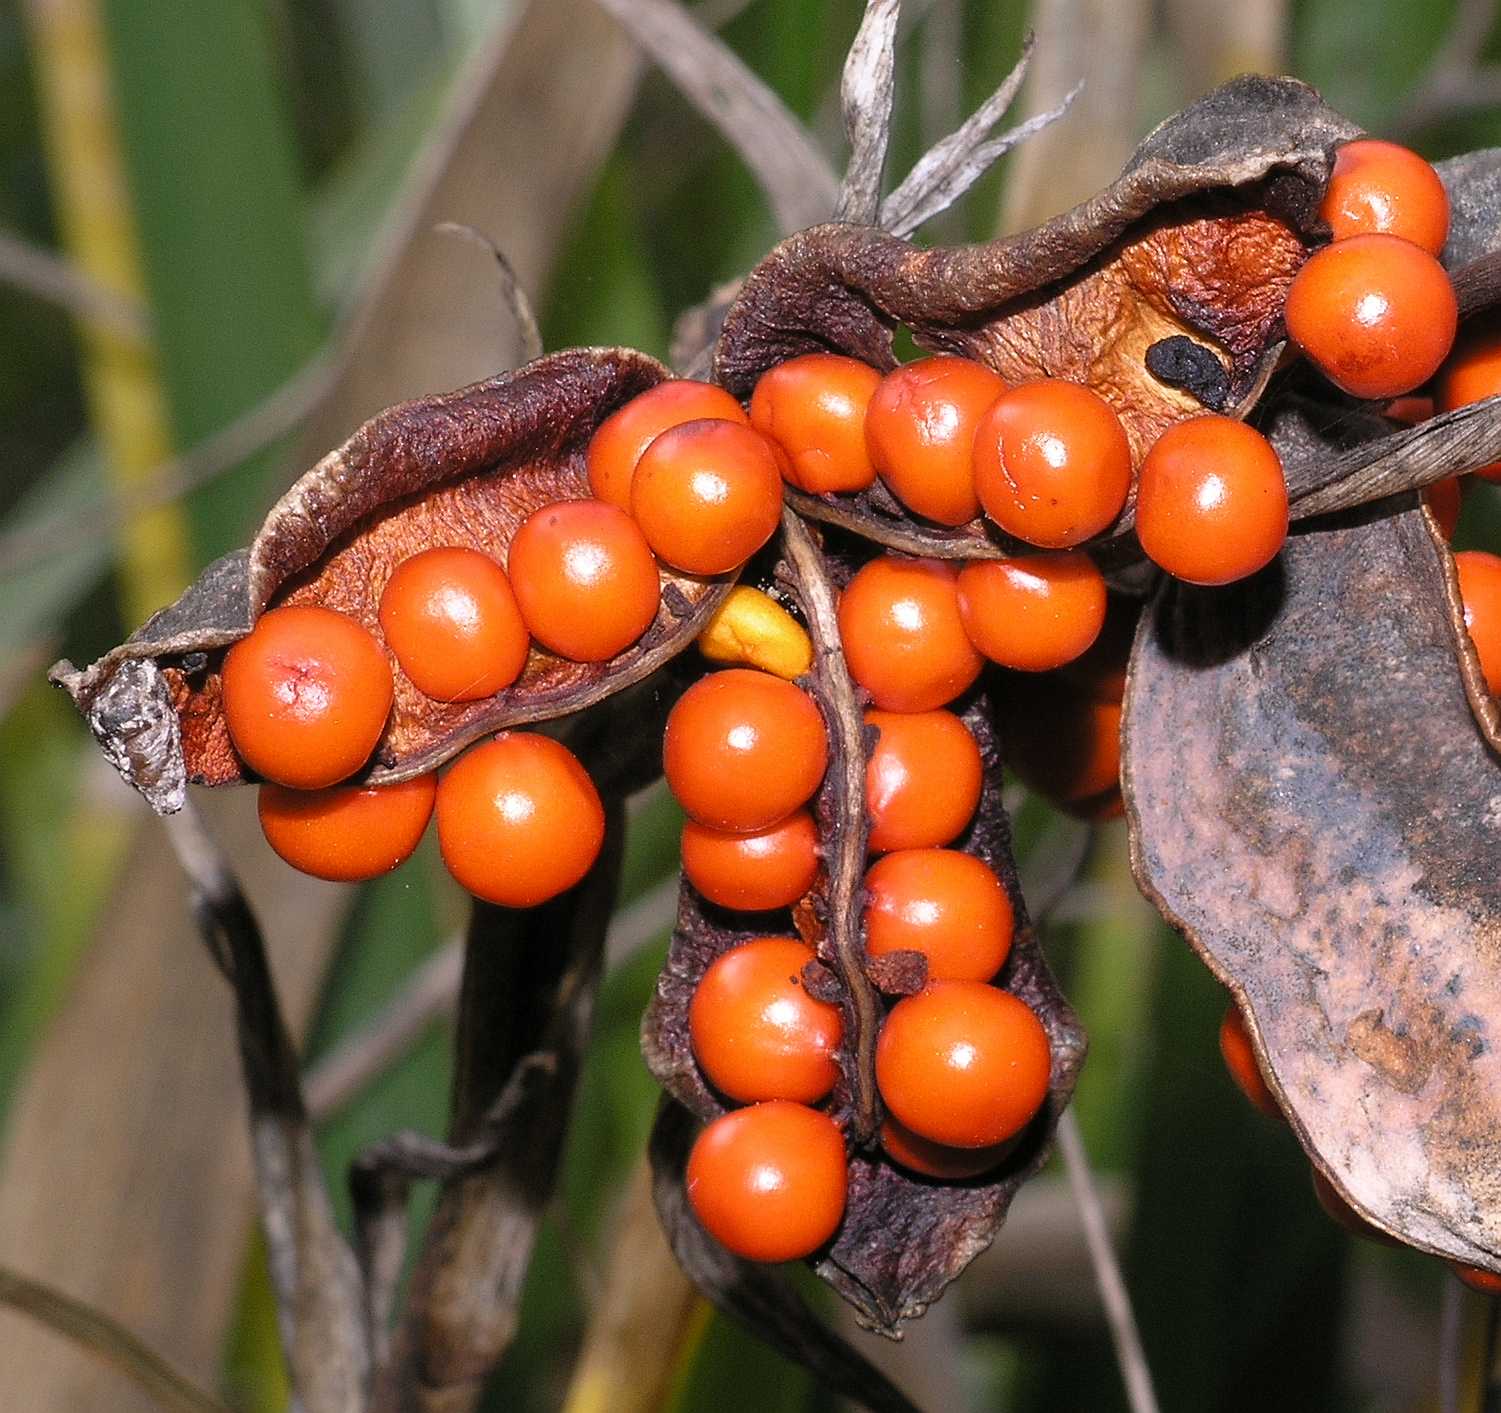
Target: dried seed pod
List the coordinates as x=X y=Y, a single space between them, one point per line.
x=1181 y=263
x=464 y=468
x=903 y=1238
x=1321 y=825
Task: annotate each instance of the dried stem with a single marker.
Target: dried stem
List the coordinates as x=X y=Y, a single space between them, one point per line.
x=268 y=421
x=846 y=864
x=1450 y=444
x=312 y=1270
x=525 y=1008
x=791 y=171
x=1467 y=1348
x=649 y=1311
x=113 y=1343
x=1129 y=1353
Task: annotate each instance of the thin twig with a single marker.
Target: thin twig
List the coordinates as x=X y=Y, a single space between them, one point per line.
x=287 y=407
x=794 y=175
x=646 y=1315
x=428 y=994
x=525 y=1006
x=47 y=276
x=1451 y=1345
x=103 y=1337
x=317 y=1285
x=1055 y=864
x=1130 y=1355
x=517 y=305
x=1467 y=1348
x=866 y=93
x=948 y=156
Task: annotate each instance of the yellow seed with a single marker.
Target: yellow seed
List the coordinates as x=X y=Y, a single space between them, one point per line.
x=752 y=629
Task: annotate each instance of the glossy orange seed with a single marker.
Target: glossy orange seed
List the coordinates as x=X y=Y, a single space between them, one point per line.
x=306 y=696
x=743 y=749
x=903 y=638
x=707 y=495
x=963 y=1064
x=768 y=1182
x=1211 y=503
x=1100 y=672
x=584 y=578
x=1060 y=742
x=519 y=820
x=756 y=1032
x=624 y=435
x=920 y=431
x=1444 y=500
x=451 y=619
x=813 y=407
x=1480 y=592
x=1379 y=186
x=1033 y=613
x=1409 y=410
x=1240 y=1060
x=1472 y=372
x=1342 y=1213
x=950 y=906
x=1052 y=463
x=922 y=779
x=1486 y=1282
x=347 y=833
x=772 y=868
x=1376 y=313
x=936 y=1160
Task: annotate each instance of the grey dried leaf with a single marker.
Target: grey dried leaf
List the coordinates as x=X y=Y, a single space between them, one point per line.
x=795 y=176
x=867 y=91
x=948 y=169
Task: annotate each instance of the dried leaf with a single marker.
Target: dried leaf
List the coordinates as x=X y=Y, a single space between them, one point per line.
x=904 y=1238
x=464 y=468
x=1197 y=240
x=1312 y=805
x=796 y=179
x=525 y=1009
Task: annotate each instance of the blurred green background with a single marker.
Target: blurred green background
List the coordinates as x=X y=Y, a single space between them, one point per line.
x=206 y=206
